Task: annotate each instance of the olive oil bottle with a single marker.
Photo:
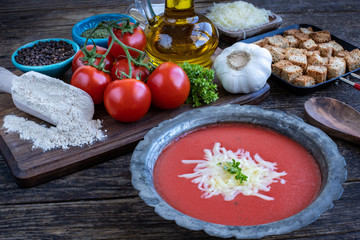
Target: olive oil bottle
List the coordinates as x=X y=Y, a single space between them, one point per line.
x=180 y=34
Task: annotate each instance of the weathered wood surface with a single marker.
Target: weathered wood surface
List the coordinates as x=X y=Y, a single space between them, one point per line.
x=100 y=202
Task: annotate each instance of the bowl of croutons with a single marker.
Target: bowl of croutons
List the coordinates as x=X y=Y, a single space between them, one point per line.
x=306 y=58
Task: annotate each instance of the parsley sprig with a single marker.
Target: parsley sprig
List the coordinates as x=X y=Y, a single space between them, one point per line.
x=233 y=168
x=202 y=89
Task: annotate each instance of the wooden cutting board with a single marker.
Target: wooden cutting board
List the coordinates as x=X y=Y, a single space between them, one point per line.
x=31 y=167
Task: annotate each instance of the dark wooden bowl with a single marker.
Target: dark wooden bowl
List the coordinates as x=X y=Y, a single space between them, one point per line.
x=334 y=117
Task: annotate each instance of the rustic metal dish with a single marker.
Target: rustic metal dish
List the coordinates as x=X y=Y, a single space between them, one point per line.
x=298 y=89
x=325 y=151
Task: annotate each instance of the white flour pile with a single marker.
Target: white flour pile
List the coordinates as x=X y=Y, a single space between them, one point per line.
x=64 y=104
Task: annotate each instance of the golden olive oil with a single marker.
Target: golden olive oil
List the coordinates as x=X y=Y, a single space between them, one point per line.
x=181 y=35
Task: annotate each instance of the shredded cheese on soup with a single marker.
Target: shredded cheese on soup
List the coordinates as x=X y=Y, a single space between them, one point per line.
x=239 y=15
x=212 y=179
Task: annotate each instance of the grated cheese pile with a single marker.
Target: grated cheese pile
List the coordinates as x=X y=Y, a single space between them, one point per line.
x=213 y=180
x=236 y=16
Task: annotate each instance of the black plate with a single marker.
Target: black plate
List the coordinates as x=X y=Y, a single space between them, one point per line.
x=286 y=84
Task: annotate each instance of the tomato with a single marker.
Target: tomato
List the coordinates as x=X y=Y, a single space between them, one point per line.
x=137 y=40
x=169 y=86
x=92 y=81
x=127 y=100
x=123 y=66
x=76 y=63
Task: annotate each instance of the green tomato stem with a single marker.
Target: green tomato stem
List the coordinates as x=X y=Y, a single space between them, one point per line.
x=90 y=58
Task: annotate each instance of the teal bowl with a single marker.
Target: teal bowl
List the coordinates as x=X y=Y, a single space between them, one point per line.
x=52 y=70
x=92 y=22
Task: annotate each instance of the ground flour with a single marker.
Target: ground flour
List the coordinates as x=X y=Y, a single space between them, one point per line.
x=64 y=104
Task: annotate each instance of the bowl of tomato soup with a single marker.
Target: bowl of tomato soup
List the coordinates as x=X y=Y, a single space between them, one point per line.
x=238 y=171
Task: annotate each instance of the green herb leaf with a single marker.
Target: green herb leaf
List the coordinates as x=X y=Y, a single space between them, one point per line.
x=233 y=168
x=202 y=89
x=98 y=33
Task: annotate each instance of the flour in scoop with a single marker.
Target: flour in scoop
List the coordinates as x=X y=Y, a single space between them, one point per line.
x=67 y=106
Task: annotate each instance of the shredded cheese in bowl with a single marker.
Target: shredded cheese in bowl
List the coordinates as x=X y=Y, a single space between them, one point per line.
x=212 y=178
x=236 y=16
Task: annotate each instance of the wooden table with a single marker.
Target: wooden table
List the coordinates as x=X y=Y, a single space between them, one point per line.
x=100 y=202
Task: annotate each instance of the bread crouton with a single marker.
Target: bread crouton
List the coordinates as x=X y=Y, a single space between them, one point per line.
x=291 y=32
x=316 y=59
x=261 y=42
x=326 y=50
x=282 y=50
x=309 y=45
x=299 y=60
x=353 y=59
x=279 y=66
x=317 y=72
x=304 y=81
x=342 y=54
x=277 y=53
x=336 y=67
x=355 y=54
x=293 y=41
x=321 y=36
x=309 y=53
x=307 y=30
x=336 y=47
x=302 y=36
x=290 y=72
x=278 y=41
x=289 y=51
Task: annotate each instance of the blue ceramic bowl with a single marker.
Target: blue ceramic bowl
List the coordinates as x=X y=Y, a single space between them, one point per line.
x=92 y=22
x=53 y=70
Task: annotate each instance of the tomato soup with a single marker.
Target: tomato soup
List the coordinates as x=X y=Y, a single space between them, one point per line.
x=303 y=179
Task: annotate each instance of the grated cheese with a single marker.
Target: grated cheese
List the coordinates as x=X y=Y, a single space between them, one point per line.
x=213 y=180
x=236 y=16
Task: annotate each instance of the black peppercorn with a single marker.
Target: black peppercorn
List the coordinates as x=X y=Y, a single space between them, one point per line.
x=45 y=53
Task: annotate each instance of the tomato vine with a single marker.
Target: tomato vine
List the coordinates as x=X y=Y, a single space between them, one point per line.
x=125 y=27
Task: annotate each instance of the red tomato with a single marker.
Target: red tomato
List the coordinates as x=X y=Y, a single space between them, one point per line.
x=127 y=100
x=137 y=40
x=92 y=81
x=169 y=86
x=76 y=63
x=123 y=66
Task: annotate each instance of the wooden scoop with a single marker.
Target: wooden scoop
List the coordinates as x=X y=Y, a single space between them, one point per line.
x=82 y=106
x=334 y=117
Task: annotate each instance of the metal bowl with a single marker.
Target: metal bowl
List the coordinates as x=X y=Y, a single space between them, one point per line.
x=324 y=150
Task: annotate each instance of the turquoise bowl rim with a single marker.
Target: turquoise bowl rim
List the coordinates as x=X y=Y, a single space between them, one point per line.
x=52 y=69
x=91 y=22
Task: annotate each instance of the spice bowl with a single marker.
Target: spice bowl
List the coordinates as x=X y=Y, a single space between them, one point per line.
x=92 y=22
x=53 y=70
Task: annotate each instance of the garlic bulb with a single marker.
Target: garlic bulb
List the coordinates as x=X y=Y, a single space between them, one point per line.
x=243 y=67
